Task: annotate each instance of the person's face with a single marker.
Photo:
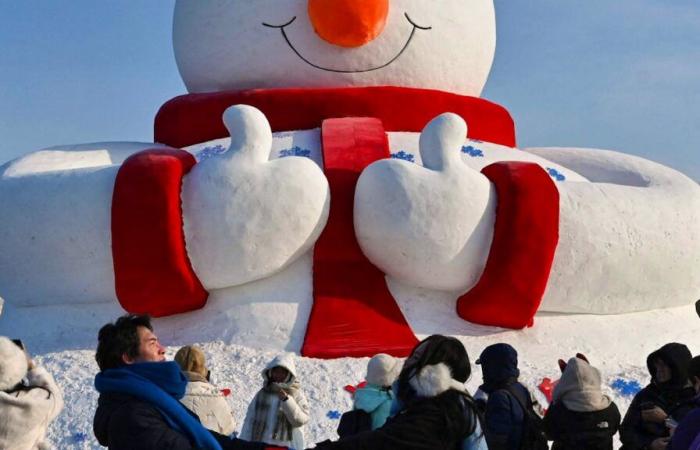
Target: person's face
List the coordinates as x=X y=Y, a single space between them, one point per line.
x=663 y=372
x=278 y=374
x=150 y=349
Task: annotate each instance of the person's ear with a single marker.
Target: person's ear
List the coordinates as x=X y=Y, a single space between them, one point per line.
x=126 y=359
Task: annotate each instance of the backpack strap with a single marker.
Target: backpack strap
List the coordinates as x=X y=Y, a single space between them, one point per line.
x=525 y=404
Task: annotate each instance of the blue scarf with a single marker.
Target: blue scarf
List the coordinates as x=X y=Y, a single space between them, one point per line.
x=161 y=384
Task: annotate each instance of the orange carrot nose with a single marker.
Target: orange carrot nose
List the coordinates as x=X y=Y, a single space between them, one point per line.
x=348 y=23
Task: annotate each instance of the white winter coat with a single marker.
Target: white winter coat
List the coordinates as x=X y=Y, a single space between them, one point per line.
x=207 y=401
x=295 y=409
x=25 y=414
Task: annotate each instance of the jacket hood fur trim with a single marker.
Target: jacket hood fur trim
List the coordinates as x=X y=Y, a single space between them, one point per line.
x=13 y=364
x=433 y=380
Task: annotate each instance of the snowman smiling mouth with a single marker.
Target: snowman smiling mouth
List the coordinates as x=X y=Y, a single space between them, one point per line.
x=328 y=69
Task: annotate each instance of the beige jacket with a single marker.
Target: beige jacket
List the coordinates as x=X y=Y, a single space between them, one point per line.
x=209 y=404
x=25 y=414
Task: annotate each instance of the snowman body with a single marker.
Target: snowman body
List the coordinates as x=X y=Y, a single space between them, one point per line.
x=621 y=236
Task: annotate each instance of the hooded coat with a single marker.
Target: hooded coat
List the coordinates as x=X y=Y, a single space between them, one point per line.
x=376 y=401
x=675 y=397
x=295 y=409
x=25 y=413
x=581 y=417
x=423 y=424
x=504 y=416
x=207 y=401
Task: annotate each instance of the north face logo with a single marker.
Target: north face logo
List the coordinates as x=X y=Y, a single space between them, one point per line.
x=603 y=425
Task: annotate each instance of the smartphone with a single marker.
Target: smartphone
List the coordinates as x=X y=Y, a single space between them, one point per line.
x=19 y=343
x=670 y=423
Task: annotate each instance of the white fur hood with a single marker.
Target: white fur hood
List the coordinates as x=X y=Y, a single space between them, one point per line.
x=434 y=380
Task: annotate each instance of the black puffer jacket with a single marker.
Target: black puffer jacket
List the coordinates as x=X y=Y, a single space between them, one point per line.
x=424 y=425
x=675 y=397
x=123 y=422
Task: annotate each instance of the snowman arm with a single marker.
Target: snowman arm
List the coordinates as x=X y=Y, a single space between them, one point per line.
x=607 y=166
x=630 y=236
x=73 y=157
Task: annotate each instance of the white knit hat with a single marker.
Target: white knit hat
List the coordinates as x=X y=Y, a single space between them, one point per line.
x=13 y=364
x=383 y=369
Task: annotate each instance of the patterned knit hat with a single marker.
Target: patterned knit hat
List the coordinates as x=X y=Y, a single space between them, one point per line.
x=13 y=364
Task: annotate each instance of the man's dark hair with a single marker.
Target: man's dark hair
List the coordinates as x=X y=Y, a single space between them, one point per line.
x=118 y=338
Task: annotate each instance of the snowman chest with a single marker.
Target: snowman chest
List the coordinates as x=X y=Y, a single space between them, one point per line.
x=475 y=154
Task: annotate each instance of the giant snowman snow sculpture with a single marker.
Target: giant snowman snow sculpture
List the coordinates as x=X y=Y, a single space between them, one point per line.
x=347 y=83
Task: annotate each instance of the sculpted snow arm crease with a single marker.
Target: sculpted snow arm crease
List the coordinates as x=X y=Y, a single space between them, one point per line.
x=629 y=240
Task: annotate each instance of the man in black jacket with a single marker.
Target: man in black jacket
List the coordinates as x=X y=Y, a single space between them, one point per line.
x=138 y=408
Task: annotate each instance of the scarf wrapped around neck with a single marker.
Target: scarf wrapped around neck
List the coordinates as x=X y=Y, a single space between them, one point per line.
x=265 y=398
x=161 y=384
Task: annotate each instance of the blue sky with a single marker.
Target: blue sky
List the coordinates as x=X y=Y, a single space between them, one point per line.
x=622 y=74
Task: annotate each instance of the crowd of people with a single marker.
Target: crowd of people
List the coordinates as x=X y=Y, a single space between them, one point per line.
x=147 y=403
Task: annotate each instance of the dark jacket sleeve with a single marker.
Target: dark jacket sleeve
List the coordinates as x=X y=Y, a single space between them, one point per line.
x=141 y=427
x=500 y=427
x=551 y=422
x=634 y=432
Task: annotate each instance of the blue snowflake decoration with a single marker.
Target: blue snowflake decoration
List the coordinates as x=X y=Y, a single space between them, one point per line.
x=403 y=155
x=295 y=151
x=333 y=414
x=554 y=173
x=208 y=152
x=626 y=388
x=472 y=151
x=79 y=437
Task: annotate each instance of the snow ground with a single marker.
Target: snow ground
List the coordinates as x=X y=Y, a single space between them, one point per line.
x=241 y=329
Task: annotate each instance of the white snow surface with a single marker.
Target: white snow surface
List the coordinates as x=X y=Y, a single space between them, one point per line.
x=617 y=345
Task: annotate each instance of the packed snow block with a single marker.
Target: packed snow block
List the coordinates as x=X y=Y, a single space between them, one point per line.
x=353 y=314
x=153 y=274
x=525 y=238
x=195 y=118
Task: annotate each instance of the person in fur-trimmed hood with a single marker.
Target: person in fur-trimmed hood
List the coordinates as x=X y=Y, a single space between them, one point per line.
x=669 y=395
x=433 y=409
x=26 y=409
x=278 y=412
x=201 y=397
x=581 y=416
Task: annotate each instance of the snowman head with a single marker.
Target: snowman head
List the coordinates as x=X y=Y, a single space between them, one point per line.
x=241 y=44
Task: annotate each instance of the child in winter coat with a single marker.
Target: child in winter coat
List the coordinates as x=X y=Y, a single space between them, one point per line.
x=202 y=398
x=26 y=409
x=376 y=397
x=279 y=411
x=581 y=416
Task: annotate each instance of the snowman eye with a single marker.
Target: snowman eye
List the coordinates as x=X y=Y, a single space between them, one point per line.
x=280 y=26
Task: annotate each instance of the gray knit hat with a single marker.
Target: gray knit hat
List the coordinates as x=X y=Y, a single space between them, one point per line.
x=383 y=369
x=13 y=364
